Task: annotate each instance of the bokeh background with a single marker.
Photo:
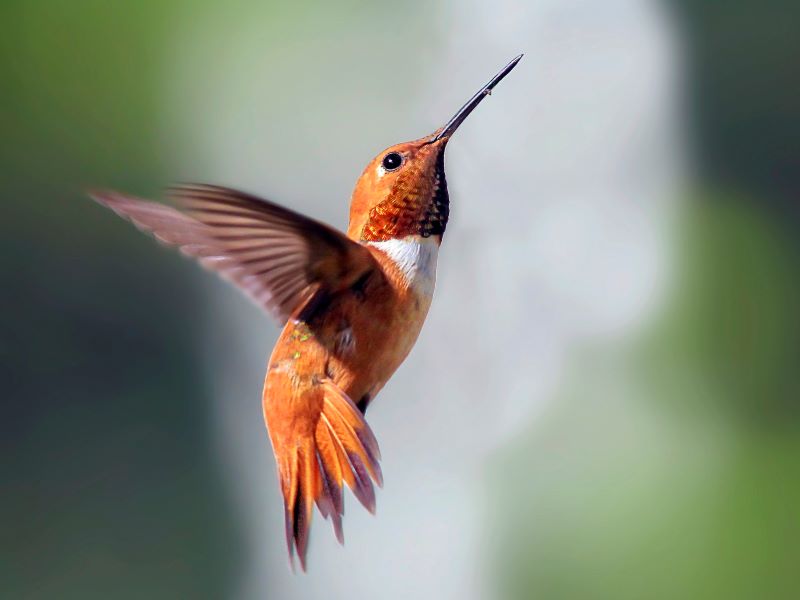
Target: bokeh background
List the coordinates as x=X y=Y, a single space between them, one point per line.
x=604 y=402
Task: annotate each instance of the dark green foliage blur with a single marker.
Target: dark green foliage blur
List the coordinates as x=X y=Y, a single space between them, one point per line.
x=745 y=95
x=108 y=486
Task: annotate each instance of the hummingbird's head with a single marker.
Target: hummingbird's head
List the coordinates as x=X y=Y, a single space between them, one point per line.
x=403 y=191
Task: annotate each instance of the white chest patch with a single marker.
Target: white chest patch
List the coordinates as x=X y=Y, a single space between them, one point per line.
x=416 y=258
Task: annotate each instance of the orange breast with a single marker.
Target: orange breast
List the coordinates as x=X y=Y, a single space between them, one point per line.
x=358 y=341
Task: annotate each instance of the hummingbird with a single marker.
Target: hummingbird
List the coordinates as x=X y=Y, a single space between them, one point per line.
x=351 y=306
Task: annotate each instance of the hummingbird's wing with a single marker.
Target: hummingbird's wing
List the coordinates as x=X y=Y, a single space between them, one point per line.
x=279 y=258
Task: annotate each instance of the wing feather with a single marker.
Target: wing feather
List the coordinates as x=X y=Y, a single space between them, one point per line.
x=277 y=257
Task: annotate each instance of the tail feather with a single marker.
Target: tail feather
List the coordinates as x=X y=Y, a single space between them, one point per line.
x=299 y=497
x=353 y=473
x=330 y=502
x=341 y=450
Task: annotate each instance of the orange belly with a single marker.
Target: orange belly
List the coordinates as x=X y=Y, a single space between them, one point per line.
x=357 y=342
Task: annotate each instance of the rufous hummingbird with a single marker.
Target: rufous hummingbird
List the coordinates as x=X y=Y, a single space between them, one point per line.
x=353 y=305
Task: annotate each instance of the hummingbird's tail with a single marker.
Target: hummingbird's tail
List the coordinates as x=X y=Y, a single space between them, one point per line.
x=314 y=467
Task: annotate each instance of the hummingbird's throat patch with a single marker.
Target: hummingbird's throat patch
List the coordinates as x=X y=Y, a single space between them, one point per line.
x=414 y=207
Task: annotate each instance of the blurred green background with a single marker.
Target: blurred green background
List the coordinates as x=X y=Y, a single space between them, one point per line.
x=664 y=466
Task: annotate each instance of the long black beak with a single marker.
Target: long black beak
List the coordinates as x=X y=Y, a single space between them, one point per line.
x=463 y=112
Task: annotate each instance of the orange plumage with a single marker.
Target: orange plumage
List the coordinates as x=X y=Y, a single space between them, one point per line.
x=353 y=306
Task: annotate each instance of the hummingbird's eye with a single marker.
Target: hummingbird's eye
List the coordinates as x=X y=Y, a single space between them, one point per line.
x=392 y=161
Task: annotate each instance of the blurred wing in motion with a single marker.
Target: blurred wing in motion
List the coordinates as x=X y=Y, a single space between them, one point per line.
x=281 y=259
